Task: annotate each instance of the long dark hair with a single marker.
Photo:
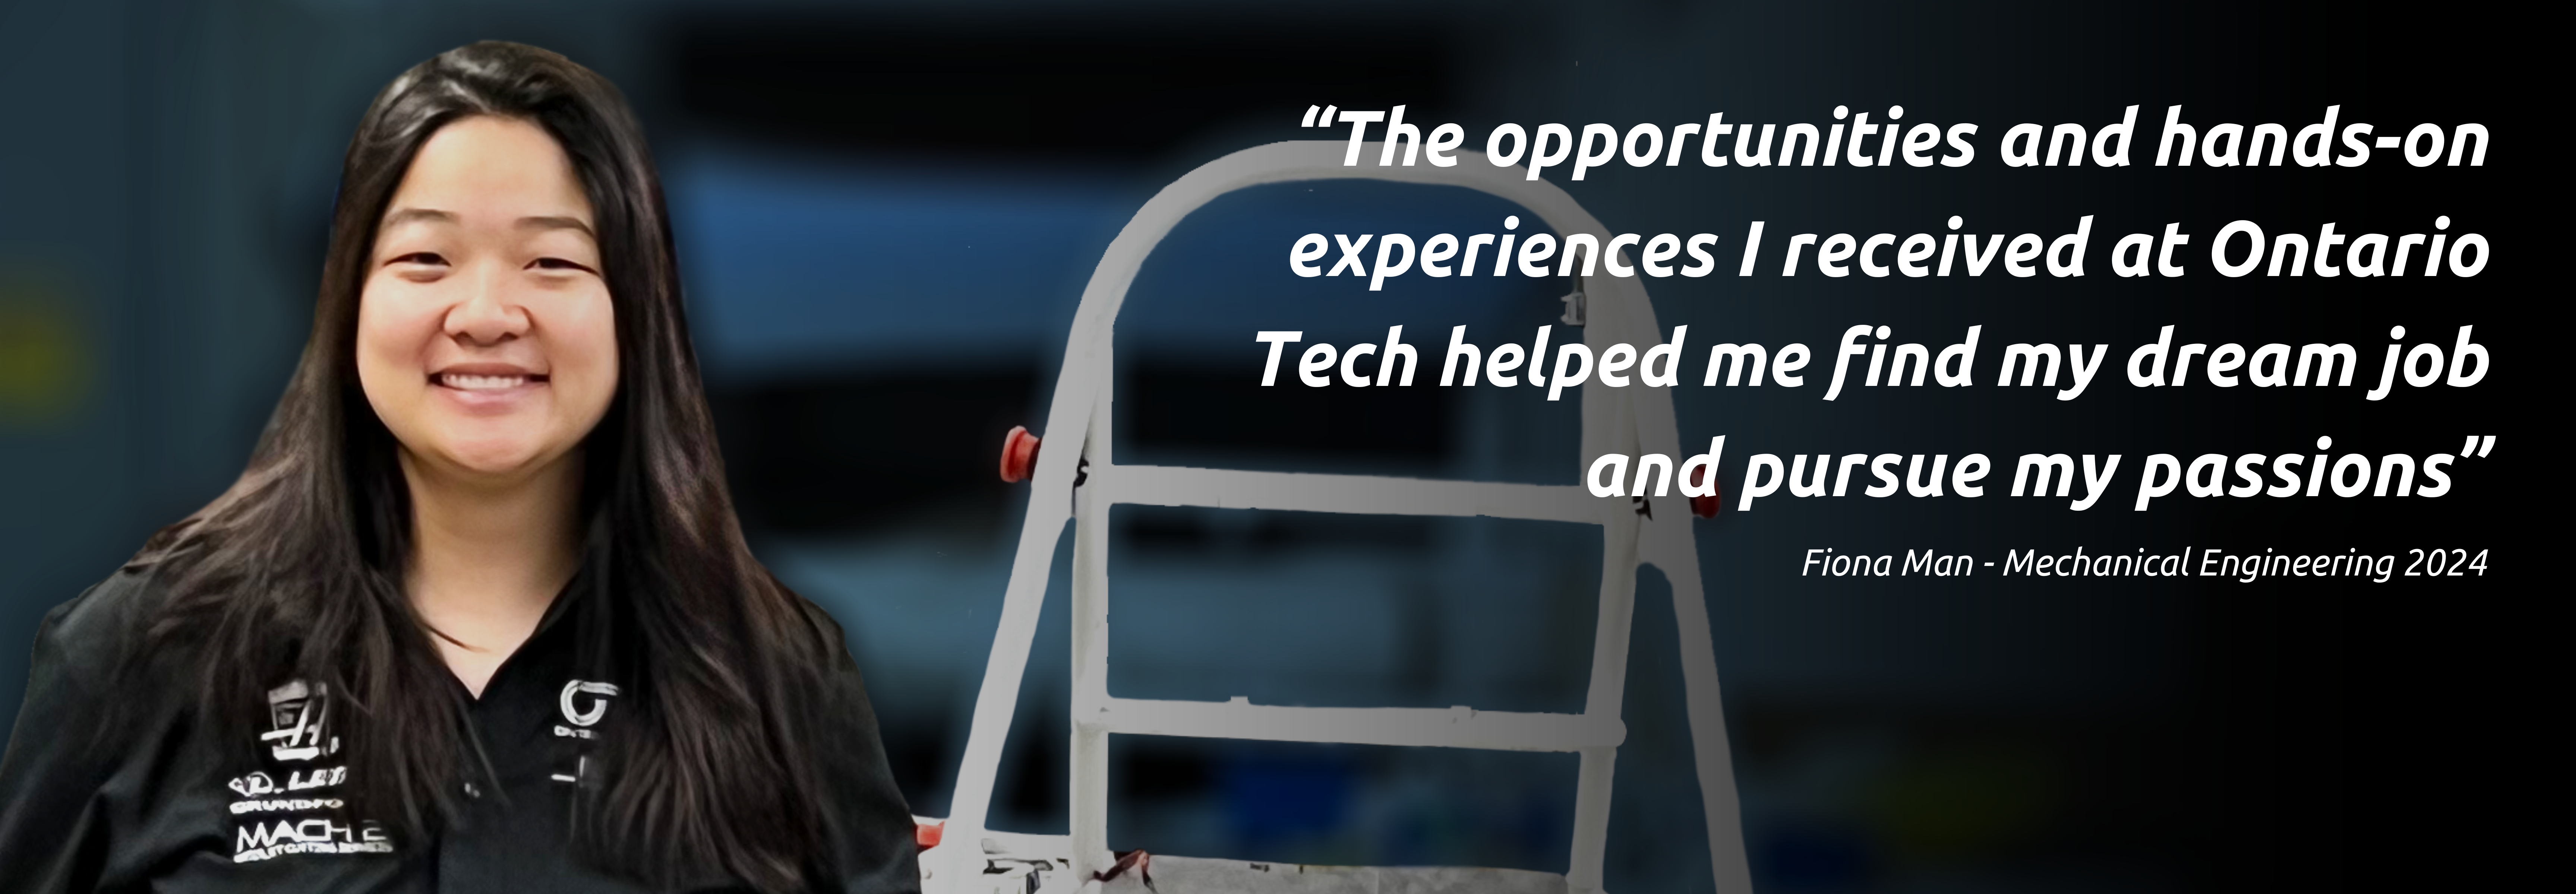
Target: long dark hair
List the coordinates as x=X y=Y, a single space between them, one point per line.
x=295 y=571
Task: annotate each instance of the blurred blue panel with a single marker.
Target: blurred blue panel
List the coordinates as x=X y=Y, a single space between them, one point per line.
x=1270 y=796
x=800 y=266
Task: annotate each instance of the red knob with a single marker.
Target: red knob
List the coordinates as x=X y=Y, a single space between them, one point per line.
x=1019 y=454
x=1706 y=507
x=926 y=835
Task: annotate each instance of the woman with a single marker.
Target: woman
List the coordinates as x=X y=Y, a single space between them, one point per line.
x=478 y=616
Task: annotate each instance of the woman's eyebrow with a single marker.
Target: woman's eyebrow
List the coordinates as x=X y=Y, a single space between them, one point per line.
x=400 y=216
x=557 y=223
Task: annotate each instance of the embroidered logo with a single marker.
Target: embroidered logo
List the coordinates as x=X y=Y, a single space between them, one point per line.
x=580 y=712
x=258 y=784
x=253 y=785
x=261 y=841
x=287 y=805
x=298 y=719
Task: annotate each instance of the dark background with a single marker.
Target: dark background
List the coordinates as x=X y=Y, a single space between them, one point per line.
x=886 y=215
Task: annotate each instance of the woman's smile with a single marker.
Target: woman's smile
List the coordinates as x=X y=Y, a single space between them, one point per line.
x=485 y=389
x=485 y=382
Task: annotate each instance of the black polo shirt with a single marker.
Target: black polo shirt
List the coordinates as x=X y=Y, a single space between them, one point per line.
x=156 y=804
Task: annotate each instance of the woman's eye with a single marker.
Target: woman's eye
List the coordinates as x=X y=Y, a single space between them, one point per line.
x=560 y=264
x=419 y=257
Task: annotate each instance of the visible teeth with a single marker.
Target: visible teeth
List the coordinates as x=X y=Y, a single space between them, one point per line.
x=482 y=383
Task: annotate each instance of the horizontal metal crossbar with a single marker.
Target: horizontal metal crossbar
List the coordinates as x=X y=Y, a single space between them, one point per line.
x=1458 y=727
x=1361 y=494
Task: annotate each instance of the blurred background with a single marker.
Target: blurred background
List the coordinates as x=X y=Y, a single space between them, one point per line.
x=886 y=214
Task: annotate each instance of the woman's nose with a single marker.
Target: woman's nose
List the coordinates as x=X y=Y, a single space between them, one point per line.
x=487 y=316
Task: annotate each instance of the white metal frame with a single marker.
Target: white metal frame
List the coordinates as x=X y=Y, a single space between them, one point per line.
x=1633 y=420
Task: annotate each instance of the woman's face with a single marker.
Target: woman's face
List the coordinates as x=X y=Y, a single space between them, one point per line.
x=486 y=337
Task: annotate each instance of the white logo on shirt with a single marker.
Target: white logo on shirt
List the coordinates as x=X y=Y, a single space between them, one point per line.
x=253 y=785
x=298 y=715
x=313 y=836
x=287 y=805
x=580 y=716
x=257 y=784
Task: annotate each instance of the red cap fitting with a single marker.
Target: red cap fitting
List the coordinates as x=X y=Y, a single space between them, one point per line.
x=1019 y=455
x=1706 y=507
x=926 y=835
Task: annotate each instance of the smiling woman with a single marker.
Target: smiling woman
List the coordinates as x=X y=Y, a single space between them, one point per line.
x=479 y=611
x=487 y=345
